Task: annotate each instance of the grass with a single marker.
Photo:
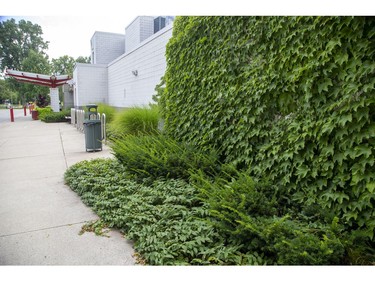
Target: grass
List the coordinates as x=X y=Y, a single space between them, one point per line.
x=108 y=110
x=134 y=121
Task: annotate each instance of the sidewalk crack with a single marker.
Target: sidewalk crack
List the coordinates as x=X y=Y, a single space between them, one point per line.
x=63 y=150
x=41 y=229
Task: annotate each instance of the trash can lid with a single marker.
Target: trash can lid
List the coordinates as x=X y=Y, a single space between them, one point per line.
x=88 y=121
x=89 y=106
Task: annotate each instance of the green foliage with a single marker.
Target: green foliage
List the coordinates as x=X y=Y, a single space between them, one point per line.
x=108 y=110
x=37 y=63
x=82 y=59
x=227 y=220
x=53 y=117
x=157 y=156
x=63 y=65
x=159 y=89
x=6 y=92
x=17 y=40
x=42 y=111
x=98 y=227
x=89 y=178
x=166 y=219
x=291 y=97
x=135 y=121
x=255 y=218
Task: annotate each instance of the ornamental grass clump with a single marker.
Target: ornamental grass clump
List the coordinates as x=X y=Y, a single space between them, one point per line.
x=135 y=121
x=108 y=110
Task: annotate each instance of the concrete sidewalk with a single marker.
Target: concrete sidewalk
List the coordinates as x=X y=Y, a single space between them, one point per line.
x=40 y=217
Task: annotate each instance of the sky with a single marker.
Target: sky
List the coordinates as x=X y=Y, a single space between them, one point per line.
x=71 y=35
x=69 y=25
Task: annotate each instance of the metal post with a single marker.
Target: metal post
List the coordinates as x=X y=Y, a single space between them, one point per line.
x=11 y=114
x=103 y=124
x=24 y=110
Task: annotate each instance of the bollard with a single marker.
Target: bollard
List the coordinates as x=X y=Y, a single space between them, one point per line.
x=11 y=114
x=24 y=110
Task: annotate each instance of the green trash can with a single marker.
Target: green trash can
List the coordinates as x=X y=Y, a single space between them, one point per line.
x=92 y=111
x=93 y=129
x=93 y=135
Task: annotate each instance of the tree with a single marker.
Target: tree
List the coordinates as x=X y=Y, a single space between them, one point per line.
x=22 y=43
x=63 y=65
x=6 y=93
x=17 y=40
x=37 y=63
x=81 y=59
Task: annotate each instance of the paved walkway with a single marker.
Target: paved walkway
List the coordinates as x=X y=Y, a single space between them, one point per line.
x=40 y=217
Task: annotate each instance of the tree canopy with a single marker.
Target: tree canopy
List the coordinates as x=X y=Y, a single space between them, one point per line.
x=65 y=64
x=22 y=47
x=17 y=40
x=37 y=63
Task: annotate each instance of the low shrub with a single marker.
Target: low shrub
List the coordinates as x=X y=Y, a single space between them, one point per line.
x=108 y=110
x=166 y=220
x=43 y=111
x=135 y=121
x=53 y=117
x=258 y=218
x=229 y=219
x=157 y=156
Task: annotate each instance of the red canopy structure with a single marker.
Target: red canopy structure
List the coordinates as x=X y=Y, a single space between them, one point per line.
x=52 y=82
x=38 y=79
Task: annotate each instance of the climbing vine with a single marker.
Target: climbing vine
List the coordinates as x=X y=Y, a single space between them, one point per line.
x=291 y=98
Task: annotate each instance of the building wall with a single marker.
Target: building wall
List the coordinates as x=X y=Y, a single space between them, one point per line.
x=148 y=59
x=106 y=46
x=68 y=97
x=90 y=84
x=137 y=31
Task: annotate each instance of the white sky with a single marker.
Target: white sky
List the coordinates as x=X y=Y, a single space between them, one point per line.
x=71 y=35
x=68 y=25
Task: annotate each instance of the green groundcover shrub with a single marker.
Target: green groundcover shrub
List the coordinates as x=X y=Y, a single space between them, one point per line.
x=227 y=220
x=292 y=98
x=166 y=220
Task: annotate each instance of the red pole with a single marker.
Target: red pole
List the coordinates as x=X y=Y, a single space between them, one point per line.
x=11 y=114
x=24 y=110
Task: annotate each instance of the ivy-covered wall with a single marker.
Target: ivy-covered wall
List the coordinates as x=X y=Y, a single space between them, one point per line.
x=291 y=98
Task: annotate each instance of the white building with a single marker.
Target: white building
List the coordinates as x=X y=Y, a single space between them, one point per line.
x=124 y=69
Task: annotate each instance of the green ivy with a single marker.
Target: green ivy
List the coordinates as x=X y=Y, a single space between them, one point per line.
x=290 y=97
